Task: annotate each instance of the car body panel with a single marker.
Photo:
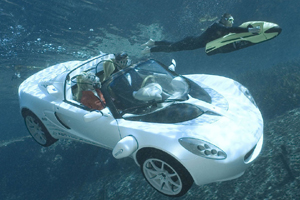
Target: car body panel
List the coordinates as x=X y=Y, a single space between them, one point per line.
x=228 y=120
x=73 y=117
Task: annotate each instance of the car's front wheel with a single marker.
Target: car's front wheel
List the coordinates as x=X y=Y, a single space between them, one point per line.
x=165 y=174
x=38 y=130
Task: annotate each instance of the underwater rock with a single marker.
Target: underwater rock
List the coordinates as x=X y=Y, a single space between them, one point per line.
x=276 y=89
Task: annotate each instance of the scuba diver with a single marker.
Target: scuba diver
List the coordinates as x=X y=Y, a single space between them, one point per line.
x=89 y=93
x=215 y=31
x=120 y=61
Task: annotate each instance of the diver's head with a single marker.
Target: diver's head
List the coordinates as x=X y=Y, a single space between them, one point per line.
x=122 y=60
x=227 y=20
x=88 y=81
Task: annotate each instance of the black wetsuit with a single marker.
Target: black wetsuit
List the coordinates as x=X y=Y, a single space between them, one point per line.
x=215 y=31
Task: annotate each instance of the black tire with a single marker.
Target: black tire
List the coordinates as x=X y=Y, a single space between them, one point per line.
x=165 y=174
x=38 y=130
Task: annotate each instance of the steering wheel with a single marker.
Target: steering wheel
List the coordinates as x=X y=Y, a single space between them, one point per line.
x=146 y=79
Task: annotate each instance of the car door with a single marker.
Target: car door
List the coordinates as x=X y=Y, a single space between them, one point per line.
x=98 y=127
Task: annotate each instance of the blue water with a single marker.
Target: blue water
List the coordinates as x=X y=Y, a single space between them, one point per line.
x=36 y=34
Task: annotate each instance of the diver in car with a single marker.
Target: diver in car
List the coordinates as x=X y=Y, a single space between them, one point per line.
x=111 y=66
x=215 y=31
x=89 y=93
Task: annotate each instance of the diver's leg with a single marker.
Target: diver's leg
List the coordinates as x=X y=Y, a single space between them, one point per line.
x=157 y=46
x=151 y=43
x=162 y=43
x=188 y=43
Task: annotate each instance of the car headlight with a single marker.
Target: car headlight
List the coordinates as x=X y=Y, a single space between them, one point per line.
x=246 y=92
x=202 y=148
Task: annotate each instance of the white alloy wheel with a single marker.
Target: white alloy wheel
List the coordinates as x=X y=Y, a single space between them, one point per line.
x=164 y=173
x=38 y=130
x=162 y=176
x=35 y=130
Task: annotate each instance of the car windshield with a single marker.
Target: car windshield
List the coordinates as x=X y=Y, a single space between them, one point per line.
x=145 y=88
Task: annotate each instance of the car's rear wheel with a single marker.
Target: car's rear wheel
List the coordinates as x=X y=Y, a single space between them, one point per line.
x=38 y=130
x=165 y=174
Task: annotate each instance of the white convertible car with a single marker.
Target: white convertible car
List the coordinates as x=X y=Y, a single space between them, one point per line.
x=180 y=130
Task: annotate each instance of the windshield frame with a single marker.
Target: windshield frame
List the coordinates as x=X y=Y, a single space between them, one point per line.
x=92 y=65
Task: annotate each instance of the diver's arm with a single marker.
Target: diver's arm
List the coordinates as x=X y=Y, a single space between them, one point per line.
x=217 y=27
x=253 y=30
x=237 y=29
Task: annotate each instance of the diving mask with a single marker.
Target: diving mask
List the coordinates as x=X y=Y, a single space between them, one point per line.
x=230 y=19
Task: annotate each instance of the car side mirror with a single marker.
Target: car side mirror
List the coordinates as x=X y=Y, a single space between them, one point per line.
x=125 y=147
x=94 y=115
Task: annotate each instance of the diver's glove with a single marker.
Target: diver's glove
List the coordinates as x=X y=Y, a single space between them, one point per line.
x=254 y=30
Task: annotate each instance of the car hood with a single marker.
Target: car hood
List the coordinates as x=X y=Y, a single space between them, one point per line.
x=231 y=119
x=239 y=121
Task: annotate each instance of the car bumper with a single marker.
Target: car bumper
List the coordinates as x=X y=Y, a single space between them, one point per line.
x=206 y=171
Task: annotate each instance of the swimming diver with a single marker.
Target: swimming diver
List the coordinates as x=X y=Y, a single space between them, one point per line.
x=214 y=31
